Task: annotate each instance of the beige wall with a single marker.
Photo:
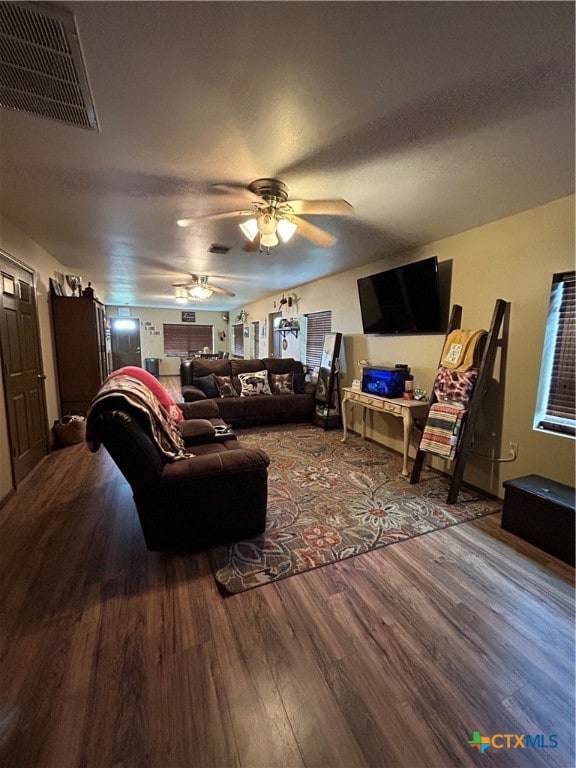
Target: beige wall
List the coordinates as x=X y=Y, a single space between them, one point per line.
x=18 y=245
x=512 y=259
x=152 y=345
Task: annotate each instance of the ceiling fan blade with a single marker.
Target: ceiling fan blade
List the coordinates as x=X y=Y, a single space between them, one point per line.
x=225 y=215
x=219 y=290
x=212 y=216
x=240 y=190
x=312 y=232
x=336 y=207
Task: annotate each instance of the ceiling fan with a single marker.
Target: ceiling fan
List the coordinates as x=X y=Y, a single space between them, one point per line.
x=273 y=216
x=197 y=288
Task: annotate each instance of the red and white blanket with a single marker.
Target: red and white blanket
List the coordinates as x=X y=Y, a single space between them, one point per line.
x=162 y=428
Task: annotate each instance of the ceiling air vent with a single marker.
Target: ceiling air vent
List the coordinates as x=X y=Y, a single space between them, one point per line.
x=216 y=248
x=41 y=67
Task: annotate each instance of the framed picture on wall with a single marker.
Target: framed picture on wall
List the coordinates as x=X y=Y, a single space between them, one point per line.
x=56 y=288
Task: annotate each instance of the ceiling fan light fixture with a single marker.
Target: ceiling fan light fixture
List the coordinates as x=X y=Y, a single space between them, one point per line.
x=286 y=229
x=180 y=295
x=249 y=228
x=268 y=240
x=267 y=223
x=199 y=292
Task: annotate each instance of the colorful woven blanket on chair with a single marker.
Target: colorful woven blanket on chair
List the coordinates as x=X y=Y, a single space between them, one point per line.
x=442 y=429
x=162 y=429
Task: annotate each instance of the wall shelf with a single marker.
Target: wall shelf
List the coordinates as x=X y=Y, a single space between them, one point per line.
x=294 y=330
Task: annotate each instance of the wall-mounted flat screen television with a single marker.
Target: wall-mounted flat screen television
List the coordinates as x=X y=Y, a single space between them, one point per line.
x=403 y=300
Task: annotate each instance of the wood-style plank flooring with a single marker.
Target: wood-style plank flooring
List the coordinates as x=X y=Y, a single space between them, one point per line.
x=118 y=657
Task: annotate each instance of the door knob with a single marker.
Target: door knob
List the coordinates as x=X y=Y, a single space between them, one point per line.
x=41 y=376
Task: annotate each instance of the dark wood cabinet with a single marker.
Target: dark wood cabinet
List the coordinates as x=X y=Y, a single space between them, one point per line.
x=80 y=339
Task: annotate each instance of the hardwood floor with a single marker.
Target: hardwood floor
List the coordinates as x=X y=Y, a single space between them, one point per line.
x=119 y=657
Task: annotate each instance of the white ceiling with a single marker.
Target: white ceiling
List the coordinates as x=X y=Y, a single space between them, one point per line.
x=429 y=118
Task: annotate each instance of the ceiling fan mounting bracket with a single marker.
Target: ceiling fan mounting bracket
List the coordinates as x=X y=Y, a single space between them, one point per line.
x=273 y=191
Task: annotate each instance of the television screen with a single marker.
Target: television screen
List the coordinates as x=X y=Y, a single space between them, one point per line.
x=402 y=300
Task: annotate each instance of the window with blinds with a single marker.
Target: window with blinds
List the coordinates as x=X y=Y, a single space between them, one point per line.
x=186 y=340
x=238 y=340
x=256 y=340
x=555 y=410
x=317 y=326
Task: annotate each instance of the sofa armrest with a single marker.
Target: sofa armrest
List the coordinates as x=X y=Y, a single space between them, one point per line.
x=215 y=465
x=191 y=394
x=309 y=388
x=200 y=409
x=193 y=430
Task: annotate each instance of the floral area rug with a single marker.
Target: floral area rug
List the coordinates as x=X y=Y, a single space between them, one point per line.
x=328 y=501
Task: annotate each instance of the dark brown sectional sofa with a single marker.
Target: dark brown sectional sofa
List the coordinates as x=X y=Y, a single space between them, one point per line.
x=197 y=379
x=217 y=495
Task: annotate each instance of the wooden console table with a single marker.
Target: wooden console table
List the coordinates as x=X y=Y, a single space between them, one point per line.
x=407 y=410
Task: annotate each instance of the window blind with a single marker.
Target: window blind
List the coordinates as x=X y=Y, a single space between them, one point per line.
x=318 y=325
x=559 y=410
x=185 y=340
x=256 y=339
x=238 y=340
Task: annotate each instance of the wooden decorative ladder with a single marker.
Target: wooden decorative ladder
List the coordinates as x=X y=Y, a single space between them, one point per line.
x=466 y=436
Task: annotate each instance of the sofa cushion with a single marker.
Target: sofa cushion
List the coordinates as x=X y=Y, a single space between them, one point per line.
x=232 y=409
x=254 y=383
x=282 y=383
x=225 y=386
x=282 y=365
x=201 y=368
x=200 y=409
x=246 y=366
x=207 y=385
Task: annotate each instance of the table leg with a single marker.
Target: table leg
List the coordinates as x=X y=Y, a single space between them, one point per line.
x=344 y=420
x=408 y=421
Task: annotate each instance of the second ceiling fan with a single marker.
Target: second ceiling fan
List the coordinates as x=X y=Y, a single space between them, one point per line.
x=198 y=288
x=273 y=216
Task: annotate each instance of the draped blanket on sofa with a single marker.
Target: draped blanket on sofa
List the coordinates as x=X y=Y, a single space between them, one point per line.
x=126 y=390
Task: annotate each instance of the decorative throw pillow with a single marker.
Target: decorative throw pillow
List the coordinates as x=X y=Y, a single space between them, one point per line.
x=225 y=386
x=207 y=385
x=254 y=383
x=282 y=383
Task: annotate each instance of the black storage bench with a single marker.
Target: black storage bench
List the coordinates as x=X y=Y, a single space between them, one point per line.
x=542 y=512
